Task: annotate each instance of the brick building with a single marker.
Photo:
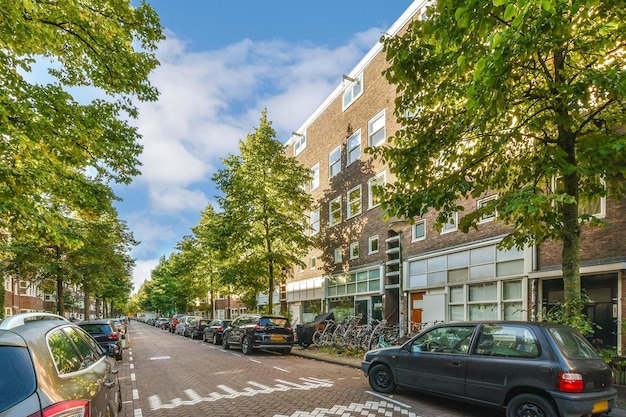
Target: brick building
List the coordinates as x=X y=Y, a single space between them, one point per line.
x=411 y=273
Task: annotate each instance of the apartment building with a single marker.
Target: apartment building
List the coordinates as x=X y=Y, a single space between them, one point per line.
x=411 y=273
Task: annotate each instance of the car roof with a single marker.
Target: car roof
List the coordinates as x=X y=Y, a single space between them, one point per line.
x=19 y=329
x=98 y=321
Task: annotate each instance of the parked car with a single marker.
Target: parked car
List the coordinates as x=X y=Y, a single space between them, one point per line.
x=214 y=331
x=183 y=323
x=165 y=323
x=120 y=326
x=532 y=369
x=50 y=365
x=106 y=335
x=174 y=322
x=196 y=326
x=255 y=331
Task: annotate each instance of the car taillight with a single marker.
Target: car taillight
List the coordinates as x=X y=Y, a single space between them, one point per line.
x=220 y=329
x=258 y=328
x=73 y=408
x=571 y=382
x=112 y=336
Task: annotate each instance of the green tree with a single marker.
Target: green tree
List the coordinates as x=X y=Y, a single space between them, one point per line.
x=54 y=150
x=523 y=98
x=265 y=209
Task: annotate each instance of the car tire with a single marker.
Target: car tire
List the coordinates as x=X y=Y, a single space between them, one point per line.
x=119 y=356
x=381 y=379
x=204 y=339
x=216 y=340
x=246 y=347
x=225 y=344
x=530 y=405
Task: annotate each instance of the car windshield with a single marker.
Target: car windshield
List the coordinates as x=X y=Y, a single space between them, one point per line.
x=18 y=376
x=572 y=344
x=96 y=328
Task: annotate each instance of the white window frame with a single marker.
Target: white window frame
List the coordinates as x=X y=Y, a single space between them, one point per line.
x=376 y=125
x=353 y=91
x=315 y=177
x=484 y=201
x=332 y=163
x=332 y=222
x=353 y=202
x=353 y=150
x=338 y=255
x=414 y=236
x=314 y=222
x=378 y=179
x=449 y=226
x=299 y=145
x=370 y=244
x=354 y=250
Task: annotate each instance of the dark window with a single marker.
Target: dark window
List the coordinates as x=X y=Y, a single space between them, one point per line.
x=572 y=344
x=18 y=376
x=507 y=341
x=64 y=354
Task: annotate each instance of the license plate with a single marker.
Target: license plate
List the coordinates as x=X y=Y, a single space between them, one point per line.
x=600 y=407
x=277 y=338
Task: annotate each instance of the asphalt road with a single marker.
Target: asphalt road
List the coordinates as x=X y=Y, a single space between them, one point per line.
x=171 y=376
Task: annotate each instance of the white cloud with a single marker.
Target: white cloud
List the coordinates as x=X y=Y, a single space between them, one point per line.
x=142 y=272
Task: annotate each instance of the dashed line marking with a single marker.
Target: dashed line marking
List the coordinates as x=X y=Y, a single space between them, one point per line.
x=281 y=369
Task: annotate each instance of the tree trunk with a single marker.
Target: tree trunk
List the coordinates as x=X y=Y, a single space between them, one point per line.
x=87 y=305
x=60 y=301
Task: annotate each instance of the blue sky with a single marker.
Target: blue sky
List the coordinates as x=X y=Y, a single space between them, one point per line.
x=221 y=65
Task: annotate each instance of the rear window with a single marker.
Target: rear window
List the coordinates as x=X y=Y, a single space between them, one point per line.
x=18 y=380
x=96 y=328
x=572 y=344
x=274 y=322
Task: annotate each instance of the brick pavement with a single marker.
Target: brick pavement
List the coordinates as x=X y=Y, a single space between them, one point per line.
x=130 y=392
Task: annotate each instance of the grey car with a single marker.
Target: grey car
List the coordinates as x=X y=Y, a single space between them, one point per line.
x=531 y=369
x=50 y=365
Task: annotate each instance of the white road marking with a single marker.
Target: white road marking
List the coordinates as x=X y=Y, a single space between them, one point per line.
x=369 y=409
x=229 y=393
x=281 y=369
x=160 y=358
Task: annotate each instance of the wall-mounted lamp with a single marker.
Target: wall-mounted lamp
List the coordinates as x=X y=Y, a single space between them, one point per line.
x=300 y=135
x=352 y=80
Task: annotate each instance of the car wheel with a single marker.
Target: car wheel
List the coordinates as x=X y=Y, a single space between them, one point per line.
x=216 y=340
x=381 y=379
x=119 y=356
x=246 y=347
x=204 y=339
x=225 y=344
x=530 y=405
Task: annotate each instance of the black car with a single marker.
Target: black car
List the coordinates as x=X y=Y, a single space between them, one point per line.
x=106 y=334
x=255 y=331
x=531 y=369
x=214 y=330
x=196 y=326
x=51 y=366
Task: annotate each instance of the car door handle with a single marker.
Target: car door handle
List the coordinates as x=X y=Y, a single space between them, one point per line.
x=456 y=363
x=109 y=384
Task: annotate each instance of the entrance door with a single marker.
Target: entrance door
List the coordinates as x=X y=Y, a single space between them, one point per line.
x=417 y=299
x=362 y=308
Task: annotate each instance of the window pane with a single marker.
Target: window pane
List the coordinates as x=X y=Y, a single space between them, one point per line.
x=458 y=275
x=457 y=313
x=419 y=230
x=483 y=272
x=513 y=290
x=458 y=260
x=435 y=278
x=456 y=295
x=483 y=255
x=486 y=292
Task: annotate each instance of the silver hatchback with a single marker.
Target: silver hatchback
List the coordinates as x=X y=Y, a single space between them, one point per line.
x=50 y=366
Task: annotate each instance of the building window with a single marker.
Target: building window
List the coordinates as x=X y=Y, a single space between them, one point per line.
x=419 y=230
x=354 y=202
x=491 y=216
x=315 y=176
x=376 y=129
x=338 y=256
x=334 y=162
x=353 y=148
x=313 y=262
x=354 y=250
x=451 y=224
x=355 y=283
x=353 y=91
x=314 y=222
x=334 y=211
x=378 y=181
x=373 y=245
x=299 y=145
x=594 y=206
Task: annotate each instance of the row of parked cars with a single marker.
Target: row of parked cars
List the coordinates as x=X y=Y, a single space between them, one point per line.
x=247 y=331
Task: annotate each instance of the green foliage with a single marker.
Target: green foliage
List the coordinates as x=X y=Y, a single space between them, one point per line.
x=510 y=98
x=57 y=155
x=264 y=213
x=569 y=313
